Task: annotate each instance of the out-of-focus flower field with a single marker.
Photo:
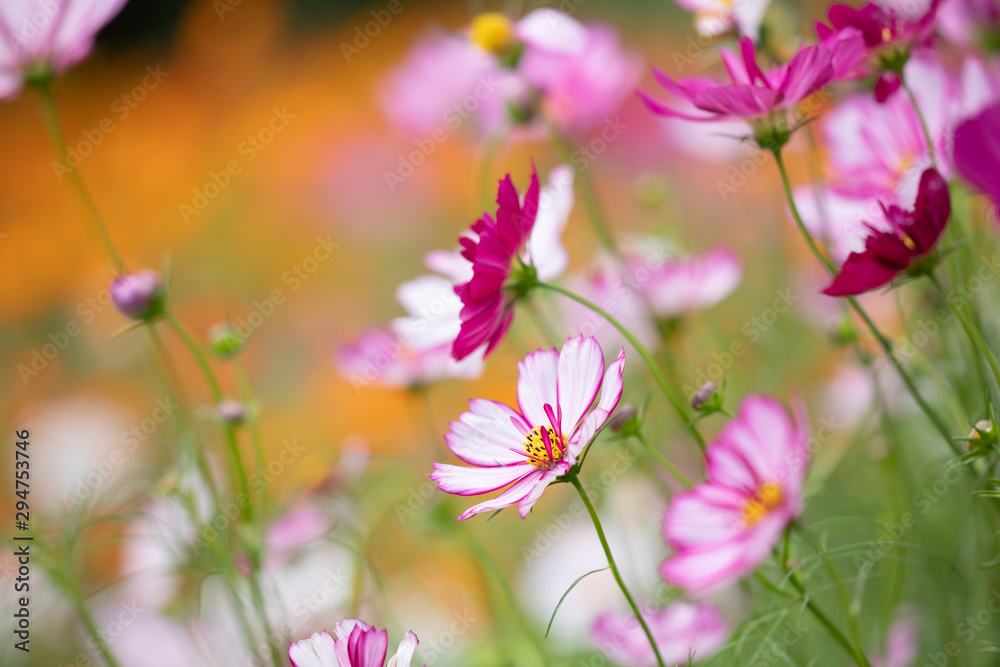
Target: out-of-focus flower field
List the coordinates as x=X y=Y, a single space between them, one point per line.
x=285 y=168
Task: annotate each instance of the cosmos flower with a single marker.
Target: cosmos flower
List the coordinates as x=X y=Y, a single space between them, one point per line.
x=723 y=529
x=678 y=629
x=716 y=17
x=969 y=22
x=527 y=449
x=45 y=37
x=890 y=31
x=500 y=74
x=977 y=151
x=492 y=248
x=910 y=236
x=682 y=285
x=902 y=642
x=762 y=99
x=356 y=644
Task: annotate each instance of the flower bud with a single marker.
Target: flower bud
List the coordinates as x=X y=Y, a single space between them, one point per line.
x=138 y=295
x=624 y=419
x=231 y=411
x=224 y=341
x=707 y=399
x=985 y=435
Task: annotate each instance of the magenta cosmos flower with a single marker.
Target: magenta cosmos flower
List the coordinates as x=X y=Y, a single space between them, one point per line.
x=487 y=307
x=752 y=95
x=356 y=644
x=42 y=37
x=890 y=31
x=723 y=529
x=679 y=630
x=527 y=449
x=911 y=235
x=977 y=151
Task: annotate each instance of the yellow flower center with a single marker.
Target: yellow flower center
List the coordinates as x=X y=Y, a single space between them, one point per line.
x=538 y=453
x=769 y=497
x=886 y=34
x=491 y=31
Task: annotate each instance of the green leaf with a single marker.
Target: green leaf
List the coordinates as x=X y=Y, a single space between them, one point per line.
x=563 y=598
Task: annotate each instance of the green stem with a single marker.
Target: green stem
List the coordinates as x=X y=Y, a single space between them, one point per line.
x=587 y=194
x=85 y=201
x=258 y=598
x=256 y=436
x=832 y=629
x=663 y=460
x=575 y=481
x=88 y=622
x=923 y=121
x=883 y=342
x=658 y=375
x=217 y=395
x=972 y=331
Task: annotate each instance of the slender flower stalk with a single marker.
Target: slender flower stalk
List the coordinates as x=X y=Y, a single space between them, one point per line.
x=654 y=368
x=883 y=342
x=970 y=329
x=655 y=453
x=924 y=127
x=588 y=194
x=58 y=139
x=575 y=481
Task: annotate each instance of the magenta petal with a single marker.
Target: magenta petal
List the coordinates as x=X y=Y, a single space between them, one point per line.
x=860 y=273
x=367 y=648
x=977 y=151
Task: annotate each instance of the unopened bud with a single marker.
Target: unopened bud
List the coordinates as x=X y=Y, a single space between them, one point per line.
x=224 y=341
x=706 y=396
x=138 y=295
x=622 y=420
x=231 y=412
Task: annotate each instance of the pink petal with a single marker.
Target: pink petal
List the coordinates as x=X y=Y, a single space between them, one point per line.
x=581 y=365
x=511 y=496
x=472 y=481
x=537 y=384
x=485 y=435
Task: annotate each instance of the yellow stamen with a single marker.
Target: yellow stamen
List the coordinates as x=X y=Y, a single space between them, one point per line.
x=492 y=31
x=886 y=34
x=538 y=455
x=769 y=497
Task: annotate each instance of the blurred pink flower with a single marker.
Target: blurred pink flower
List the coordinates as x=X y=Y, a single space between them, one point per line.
x=357 y=644
x=716 y=17
x=752 y=95
x=889 y=29
x=685 y=284
x=529 y=449
x=38 y=37
x=296 y=528
x=493 y=246
x=679 y=630
x=724 y=528
x=382 y=357
x=583 y=75
x=902 y=642
x=967 y=22
x=616 y=293
x=977 y=151
x=911 y=236
x=579 y=73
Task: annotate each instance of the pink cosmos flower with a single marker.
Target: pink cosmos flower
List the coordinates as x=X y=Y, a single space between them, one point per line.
x=902 y=643
x=685 y=284
x=890 y=31
x=716 y=17
x=966 y=22
x=679 y=630
x=977 y=151
x=356 y=644
x=911 y=236
x=46 y=36
x=724 y=528
x=383 y=357
x=752 y=95
x=498 y=73
x=488 y=308
x=527 y=449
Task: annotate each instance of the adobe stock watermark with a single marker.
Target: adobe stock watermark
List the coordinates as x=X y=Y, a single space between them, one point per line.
x=452 y=119
x=293 y=277
x=248 y=150
x=88 y=485
x=752 y=330
x=41 y=356
x=966 y=630
x=363 y=36
x=120 y=109
x=110 y=633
